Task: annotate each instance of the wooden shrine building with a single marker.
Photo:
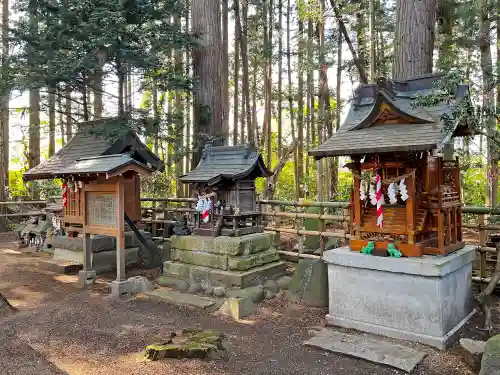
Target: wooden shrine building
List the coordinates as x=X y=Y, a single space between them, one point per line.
x=93 y=156
x=224 y=182
x=100 y=174
x=406 y=193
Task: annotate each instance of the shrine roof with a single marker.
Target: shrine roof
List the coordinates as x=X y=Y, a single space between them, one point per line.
x=106 y=164
x=92 y=140
x=383 y=118
x=230 y=163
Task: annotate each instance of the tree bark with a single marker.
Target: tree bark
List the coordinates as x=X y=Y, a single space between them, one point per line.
x=236 y=69
x=34 y=99
x=68 y=114
x=52 y=120
x=269 y=82
x=300 y=109
x=280 y=77
x=414 y=38
x=60 y=110
x=373 y=39
x=225 y=67
x=207 y=70
x=4 y=101
x=446 y=56
x=179 y=121
x=97 y=91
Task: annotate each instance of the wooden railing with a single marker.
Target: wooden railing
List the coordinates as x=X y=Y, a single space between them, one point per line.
x=286 y=219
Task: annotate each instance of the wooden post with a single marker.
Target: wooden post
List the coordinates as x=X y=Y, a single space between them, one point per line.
x=87 y=251
x=120 y=232
x=322 y=227
x=410 y=207
x=357 y=202
x=482 y=243
x=153 y=218
x=440 y=223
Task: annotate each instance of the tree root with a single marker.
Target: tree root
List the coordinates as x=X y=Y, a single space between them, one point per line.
x=483 y=297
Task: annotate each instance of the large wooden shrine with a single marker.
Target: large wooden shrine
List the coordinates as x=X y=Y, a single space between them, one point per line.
x=406 y=196
x=93 y=156
x=224 y=182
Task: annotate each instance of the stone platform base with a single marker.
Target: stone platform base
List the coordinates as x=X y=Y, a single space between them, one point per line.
x=102 y=261
x=426 y=300
x=213 y=276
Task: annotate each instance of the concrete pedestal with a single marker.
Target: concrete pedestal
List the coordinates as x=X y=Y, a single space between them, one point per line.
x=426 y=300
x=86 y=278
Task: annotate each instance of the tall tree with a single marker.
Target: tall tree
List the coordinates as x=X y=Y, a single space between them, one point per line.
x=4 y=101
x=34 y=94
x=414 y=38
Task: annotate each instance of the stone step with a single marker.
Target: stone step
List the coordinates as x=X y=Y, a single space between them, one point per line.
x=247 y=262
x=370 y=348
x=178 y=298
x=192 y=273
x=59 y=266
x=101 y=261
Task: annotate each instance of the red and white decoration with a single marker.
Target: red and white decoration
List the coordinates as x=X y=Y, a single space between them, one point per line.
x=65 y=194
x=204 y=206
x=380 y=202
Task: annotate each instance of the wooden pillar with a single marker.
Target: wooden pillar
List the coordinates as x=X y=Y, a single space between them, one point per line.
x=410 y=207
x=357 y=202
x=454 y=235
x=440 y=223
x=120 y=231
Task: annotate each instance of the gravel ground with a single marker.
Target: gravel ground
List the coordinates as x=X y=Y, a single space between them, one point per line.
x=61 y=329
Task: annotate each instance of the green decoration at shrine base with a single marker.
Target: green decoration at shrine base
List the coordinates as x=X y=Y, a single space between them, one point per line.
x=368 y=249
x=393 y=252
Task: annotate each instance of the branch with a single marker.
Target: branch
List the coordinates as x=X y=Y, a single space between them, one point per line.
x=273 y=180
x=343 y=29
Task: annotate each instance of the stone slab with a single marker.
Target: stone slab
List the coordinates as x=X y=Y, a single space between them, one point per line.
x=59 y=266
x=372 y=349
x=97 y=242
x=246 y=262
x=430 y=306
x=309 y=283
x=472 y=351
x=192 y=273
x=490 y=363
x=101 y=261
x=181 y=298
x=200 y=258
x=121 y=289
x=428 y=265
x=245 y=245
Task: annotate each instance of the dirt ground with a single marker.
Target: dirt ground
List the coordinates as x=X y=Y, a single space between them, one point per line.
x=62 y=329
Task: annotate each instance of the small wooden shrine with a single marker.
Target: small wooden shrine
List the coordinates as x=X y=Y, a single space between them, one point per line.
x=100 y=185
x=86 y=156
x=406 y=197
x=224 y=183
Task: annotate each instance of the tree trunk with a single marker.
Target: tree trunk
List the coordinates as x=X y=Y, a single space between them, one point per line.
x=34 y=100
x=253 y=129
x=60 y=110
x=225 y=68
x=269 y=83
x=243 y=32
x=207 y=69
x=280 y=78
x=68 y=114
x=52 y=120
x=446 y=56
x=360 y=29
x=488 y=101
x=290 y=98
x=300 y=110
x=97 y=91
x=179 y=117
x=4 y=100
x=373 y=40
x=236 y=69
x=414 y=38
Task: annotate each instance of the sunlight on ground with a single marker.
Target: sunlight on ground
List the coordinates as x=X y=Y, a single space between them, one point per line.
x=66 y=279
x=18 y=304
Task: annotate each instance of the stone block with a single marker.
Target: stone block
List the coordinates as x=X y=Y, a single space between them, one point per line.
x=97 y=243
x=86 y=278
x=309 y=283
x=123 y=288
x=140 y=284
x=200 y=258
x=59 y=266
x=472 y=351
x=204 y=275
x=246 y=262
x=181 y=298
x=271 y=285
x=427 y=300
x=312 y=242
x=172 y=282
x=101 y=261
x=490 y=364
x=283 y=282
x=245 y=245
x=237 y=308
x=255 y=293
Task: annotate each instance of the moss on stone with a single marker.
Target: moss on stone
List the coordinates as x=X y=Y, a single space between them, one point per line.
x=246 y=262
x=192 y=343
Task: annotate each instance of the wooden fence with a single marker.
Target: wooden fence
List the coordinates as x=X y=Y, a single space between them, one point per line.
x=287 y=219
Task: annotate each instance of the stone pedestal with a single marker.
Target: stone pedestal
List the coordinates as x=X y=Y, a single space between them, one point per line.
x=86 y=278
x=425 y=300
x=227 y=261
x=101 y=261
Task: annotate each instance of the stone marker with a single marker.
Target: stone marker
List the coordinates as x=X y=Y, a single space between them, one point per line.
x=237 y=308
x=140 y=284
x=370 y=348
x=309 y=284
x=312 y=242
x=490 y=364
x=472 y=351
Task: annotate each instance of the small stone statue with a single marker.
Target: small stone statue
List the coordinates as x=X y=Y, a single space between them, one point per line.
x=182 y=228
